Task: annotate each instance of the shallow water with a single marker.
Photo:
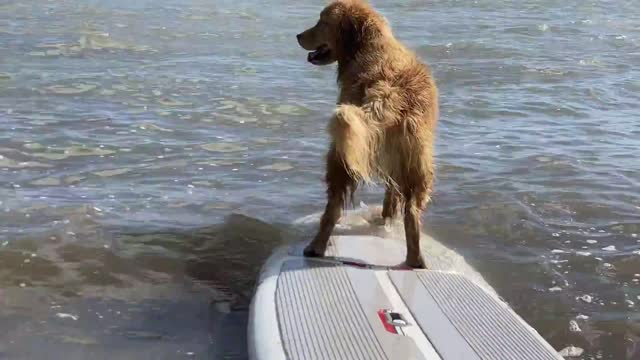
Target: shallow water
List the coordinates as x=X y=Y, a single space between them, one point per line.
x=153 y=153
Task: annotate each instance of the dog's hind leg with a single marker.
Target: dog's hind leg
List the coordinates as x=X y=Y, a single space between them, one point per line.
x=340 y=185
x=416 y=199
x=390 y=203
x=412 y=232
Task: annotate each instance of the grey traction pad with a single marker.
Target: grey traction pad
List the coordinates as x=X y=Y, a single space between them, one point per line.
x=327 y=310
x=462 y=321
x=320 y=316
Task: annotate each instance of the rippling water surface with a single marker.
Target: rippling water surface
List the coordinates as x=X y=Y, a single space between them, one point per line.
x=152 y=153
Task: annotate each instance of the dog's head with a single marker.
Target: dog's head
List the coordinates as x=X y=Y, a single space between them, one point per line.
x=339 y=33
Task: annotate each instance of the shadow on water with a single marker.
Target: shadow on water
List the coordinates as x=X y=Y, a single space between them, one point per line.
x=142 y=294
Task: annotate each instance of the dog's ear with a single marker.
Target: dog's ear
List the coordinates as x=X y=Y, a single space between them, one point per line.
x=356 y=28
x=350 y=36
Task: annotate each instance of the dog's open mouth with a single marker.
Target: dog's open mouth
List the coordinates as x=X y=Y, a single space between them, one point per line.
x=320 y=56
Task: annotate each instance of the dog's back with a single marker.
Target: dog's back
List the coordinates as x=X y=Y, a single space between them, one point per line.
x=392 y=139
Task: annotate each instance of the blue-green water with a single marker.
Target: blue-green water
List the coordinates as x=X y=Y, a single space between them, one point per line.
x=152 y=153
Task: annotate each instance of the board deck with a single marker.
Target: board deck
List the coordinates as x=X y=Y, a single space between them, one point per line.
x=356 y=303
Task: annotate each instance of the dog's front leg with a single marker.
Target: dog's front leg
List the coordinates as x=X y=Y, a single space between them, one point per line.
x=339 y=185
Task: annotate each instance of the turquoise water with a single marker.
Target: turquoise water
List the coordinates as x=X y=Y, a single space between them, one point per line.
x=152 y=153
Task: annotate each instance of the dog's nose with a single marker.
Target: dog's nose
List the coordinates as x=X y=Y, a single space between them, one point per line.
x=298 y=36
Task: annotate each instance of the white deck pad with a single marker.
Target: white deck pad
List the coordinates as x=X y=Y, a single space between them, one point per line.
x=357 y=304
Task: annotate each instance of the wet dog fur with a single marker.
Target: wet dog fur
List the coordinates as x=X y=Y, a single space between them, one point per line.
x=384 y=125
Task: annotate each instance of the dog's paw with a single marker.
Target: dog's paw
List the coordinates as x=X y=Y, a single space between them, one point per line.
x=384 y=223
x=311 y=251
x=416 y=263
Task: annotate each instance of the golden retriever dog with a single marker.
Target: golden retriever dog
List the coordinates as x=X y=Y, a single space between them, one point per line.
x=384 y=124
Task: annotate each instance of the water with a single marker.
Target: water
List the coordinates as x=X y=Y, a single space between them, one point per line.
x=152 y=153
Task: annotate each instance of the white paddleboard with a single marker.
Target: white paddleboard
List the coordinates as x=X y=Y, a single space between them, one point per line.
x=357 y=304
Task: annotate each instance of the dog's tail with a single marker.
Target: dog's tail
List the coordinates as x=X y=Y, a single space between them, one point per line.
x=356 y=140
